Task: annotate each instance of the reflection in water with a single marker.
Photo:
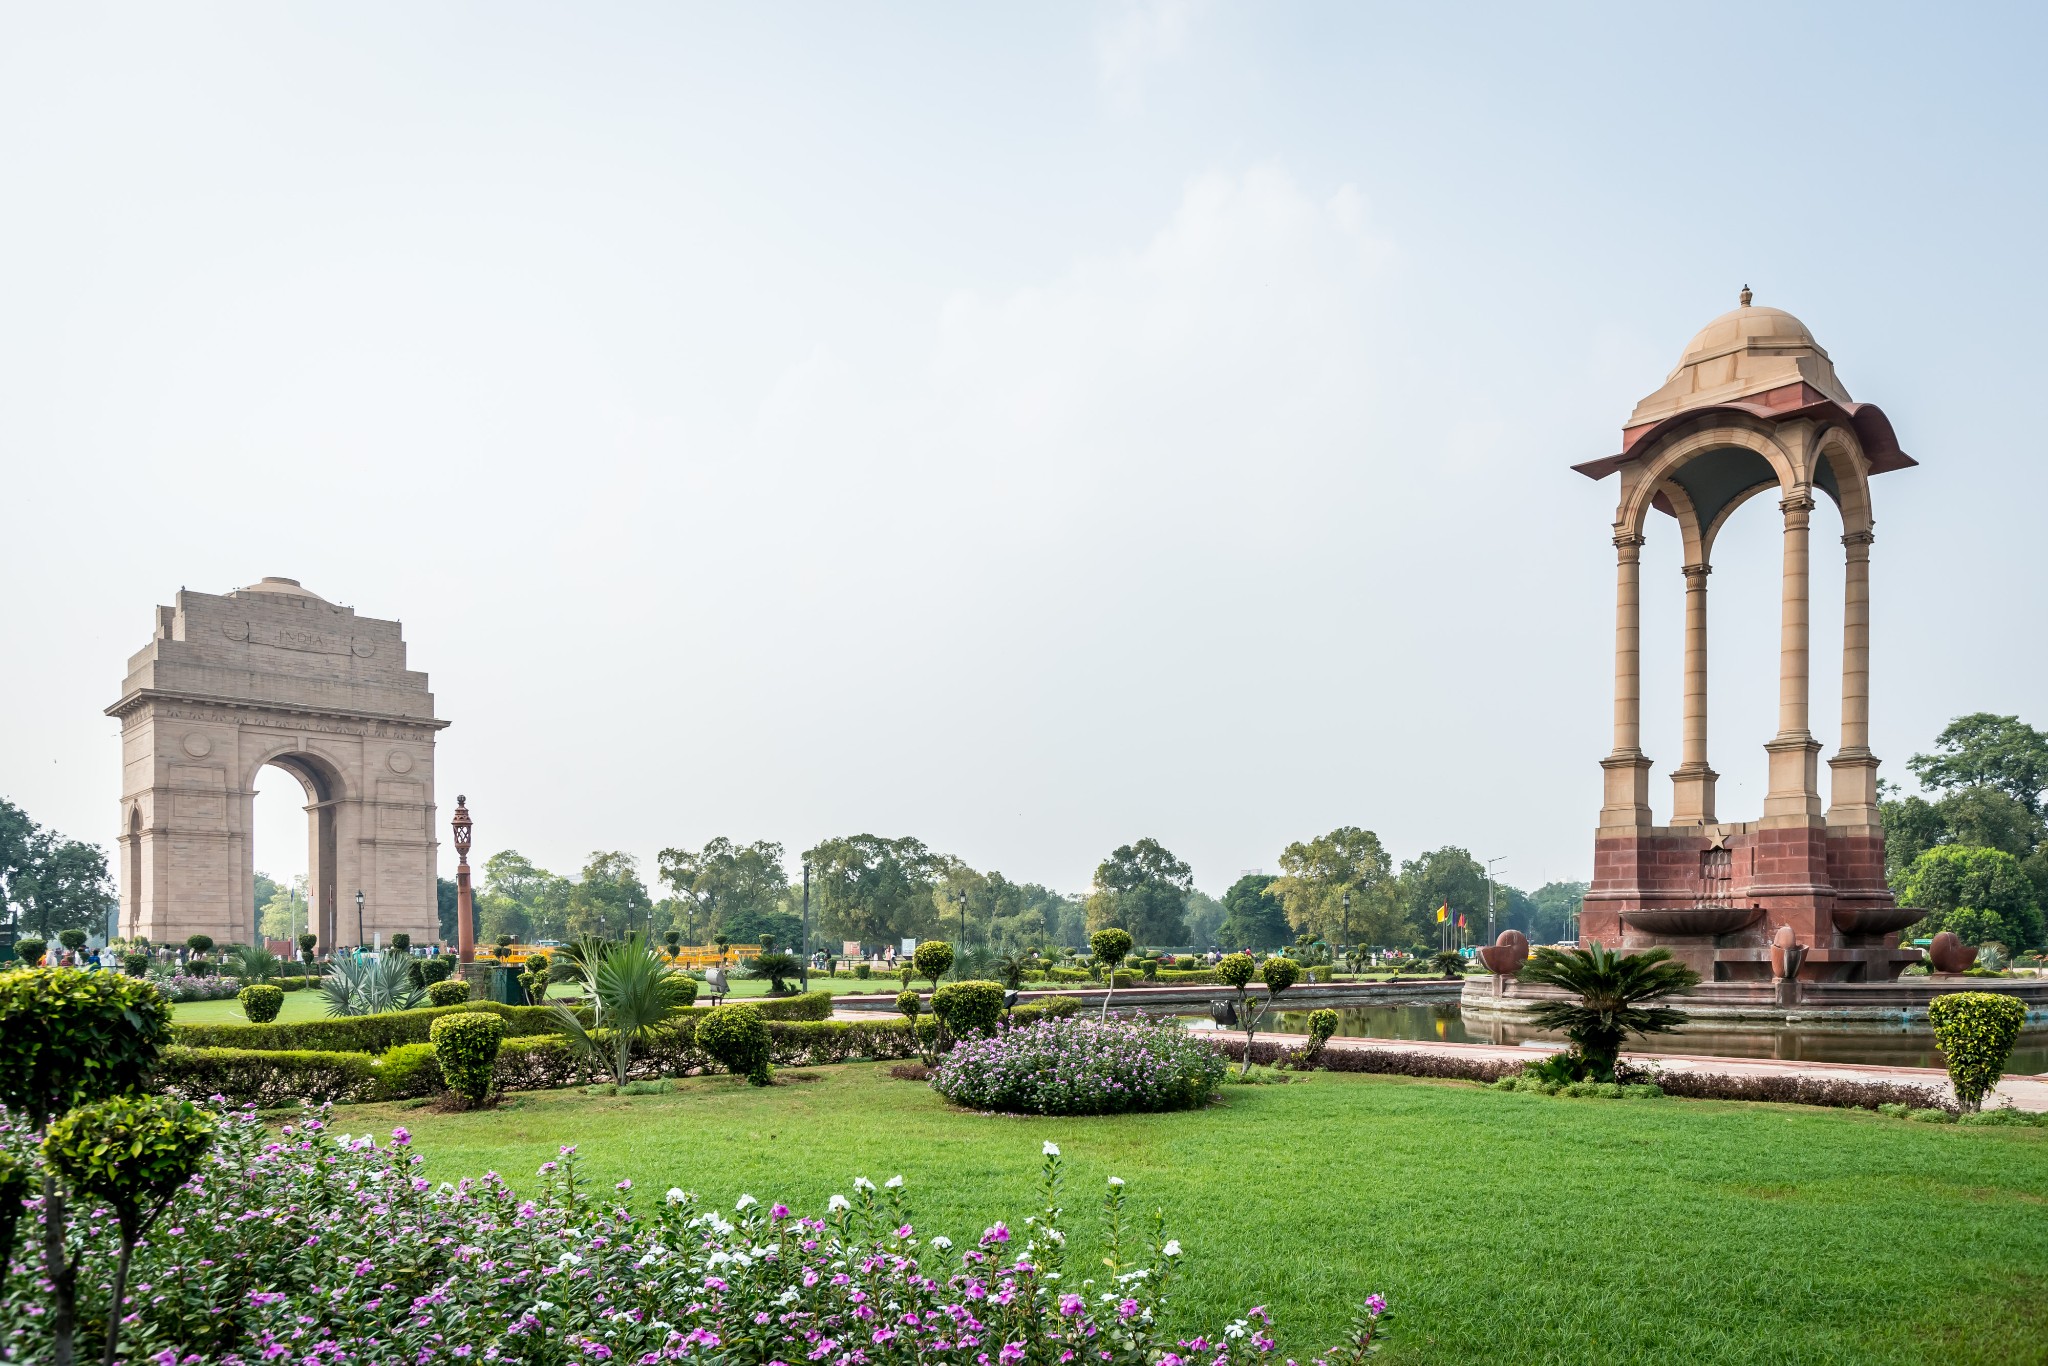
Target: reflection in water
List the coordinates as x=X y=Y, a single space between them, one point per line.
x=1795 y=1043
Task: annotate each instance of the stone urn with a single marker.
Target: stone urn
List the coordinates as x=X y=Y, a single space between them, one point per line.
x=1786 y=954
x=1507 y=955
x=1948 y=954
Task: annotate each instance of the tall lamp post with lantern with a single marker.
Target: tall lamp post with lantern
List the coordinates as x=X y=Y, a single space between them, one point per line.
x=465 y=918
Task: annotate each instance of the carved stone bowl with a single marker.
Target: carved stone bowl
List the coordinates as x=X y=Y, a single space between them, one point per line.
x=1507 y=955
x=1875 y=919
x=1696 y=920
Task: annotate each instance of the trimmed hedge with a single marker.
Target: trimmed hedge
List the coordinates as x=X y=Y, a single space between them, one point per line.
x=270 y=1078
x=466 y=1046
x=260 y=1003
x=381 y=1033
x=1975 y=1031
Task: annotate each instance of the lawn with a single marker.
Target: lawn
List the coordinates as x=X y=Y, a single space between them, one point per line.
x=311 y=1005
x=1503 y=1227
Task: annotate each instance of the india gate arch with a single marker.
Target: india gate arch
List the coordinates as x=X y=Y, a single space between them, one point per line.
x=1754 y=409
x=274 y=675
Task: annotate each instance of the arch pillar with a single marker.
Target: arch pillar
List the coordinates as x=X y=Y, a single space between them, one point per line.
x=1692 y=782
x=1627 y=801
x=1794 y=794
x=1853 y=770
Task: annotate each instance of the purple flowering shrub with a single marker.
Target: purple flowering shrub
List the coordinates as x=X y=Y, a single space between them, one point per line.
x=1078 y=1066
x=302 y=1245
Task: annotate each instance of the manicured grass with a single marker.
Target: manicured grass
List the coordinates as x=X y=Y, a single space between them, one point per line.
x=1503 y=1227
x=304 y=1004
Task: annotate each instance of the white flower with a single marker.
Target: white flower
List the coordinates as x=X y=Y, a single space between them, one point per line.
x=745 y=1200
x=1054 y=1236
x=1172 y=1248
x=942 y=1243
x=676 y=1196
x=1052 y=1149
x=1116 y=1180
x=861 y=1183
x=837 y=1203
x=893 y=1182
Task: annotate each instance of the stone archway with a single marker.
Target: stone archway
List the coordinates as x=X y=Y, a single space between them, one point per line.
x=273 y=674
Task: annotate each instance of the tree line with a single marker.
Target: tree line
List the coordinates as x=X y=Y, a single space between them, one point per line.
x=1342 y=887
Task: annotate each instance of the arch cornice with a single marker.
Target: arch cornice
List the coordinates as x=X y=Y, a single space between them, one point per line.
x=1673 y=452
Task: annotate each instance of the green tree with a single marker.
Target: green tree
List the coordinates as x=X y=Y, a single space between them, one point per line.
x=1340 y=887
x=1253 y=918
x=1951 y=878
x=1912 y=826
x=266 y=888
x=609 y=900
x=1610 y=994
x=1204 y=917
x=874 y=889
x=1142 y=888
x=1439 y=876
x=740 y=891
x=1551 y=908
x=62 y=884
x=520 y=899
x=1993 y=751
x=284 y=914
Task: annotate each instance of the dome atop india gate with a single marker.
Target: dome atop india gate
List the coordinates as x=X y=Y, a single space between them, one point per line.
x=1744 y=352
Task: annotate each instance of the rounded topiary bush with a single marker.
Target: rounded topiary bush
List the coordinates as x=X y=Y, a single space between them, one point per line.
x=436 y=969
x=466 y=1047
x=1080 y=1066
x=736 y=1037
x=260 y=1003
x=135 y=964
x=863 y=971
x=969 y=1008
x=31 y=950
x=1975 y=1031
x=448 y=993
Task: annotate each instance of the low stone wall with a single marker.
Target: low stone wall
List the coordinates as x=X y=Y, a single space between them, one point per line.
x=1180 y=999
x=1892 y=1003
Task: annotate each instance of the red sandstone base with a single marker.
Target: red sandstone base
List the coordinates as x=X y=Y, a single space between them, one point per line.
x=1715 y=895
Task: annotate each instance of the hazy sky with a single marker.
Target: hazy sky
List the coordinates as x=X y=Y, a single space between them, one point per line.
x=1028 y=429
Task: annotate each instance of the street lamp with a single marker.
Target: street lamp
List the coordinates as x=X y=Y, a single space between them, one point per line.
x=360 y=937
x=961 y=897
x=1489 y=894
x=804 y=962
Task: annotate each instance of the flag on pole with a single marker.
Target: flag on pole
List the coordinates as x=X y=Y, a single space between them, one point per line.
x=1461 y=920
x=1443 y=912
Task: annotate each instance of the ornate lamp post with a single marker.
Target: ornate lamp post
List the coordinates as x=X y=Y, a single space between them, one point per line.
x=465 y=920
x=362 y=940
x=804 y=949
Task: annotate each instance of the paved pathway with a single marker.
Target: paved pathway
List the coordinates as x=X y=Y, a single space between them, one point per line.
x=2025 y=1092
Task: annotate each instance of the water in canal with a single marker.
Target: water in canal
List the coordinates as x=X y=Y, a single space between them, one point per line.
x=1443 y=1023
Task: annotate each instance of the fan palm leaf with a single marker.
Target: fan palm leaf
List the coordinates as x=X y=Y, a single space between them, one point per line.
x=358 y=985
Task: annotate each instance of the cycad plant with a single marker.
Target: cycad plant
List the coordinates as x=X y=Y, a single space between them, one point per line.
x=1611 y=989
x=357 y=985
x=251 y=963
x=632 y=991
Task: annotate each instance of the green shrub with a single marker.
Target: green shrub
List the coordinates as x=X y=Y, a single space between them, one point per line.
x=73 y=940
x=69 y=1037
x=267 y=1078
x=905 y=974
x=401 y=943
x=1642 y=1091
x=427 y=971
x=260 y=1003
x=1894 y=1109
x=1236 y=970
x=1321 y=1025
x=863 y=971
x=408 y=1071
x=133 y=1153
x=31 y=950
x=1975 y=1031
x=2004 y=1115
x=932 y=959
x=736 y=1037
x=201 y=944
x=446 y=994
x=1279 y=973
x=466 y=1046
x=1931 y=1116
x=968 y=1008
x=135 y=964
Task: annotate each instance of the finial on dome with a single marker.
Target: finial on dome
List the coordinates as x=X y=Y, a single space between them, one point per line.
x=1745 y=296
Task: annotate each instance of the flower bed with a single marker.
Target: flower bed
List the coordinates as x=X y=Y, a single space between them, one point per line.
x=182 y=988
x=381 y=1265
x=1080 y=1066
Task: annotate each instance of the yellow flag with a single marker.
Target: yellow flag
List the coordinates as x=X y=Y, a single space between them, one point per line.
x=1443 y=912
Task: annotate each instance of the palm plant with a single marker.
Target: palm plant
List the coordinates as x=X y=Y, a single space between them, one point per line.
x=252 y=963
x=1611 y=989
x=632 y=991
x=356 y=985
